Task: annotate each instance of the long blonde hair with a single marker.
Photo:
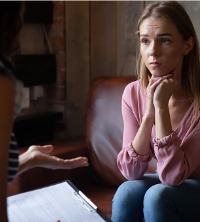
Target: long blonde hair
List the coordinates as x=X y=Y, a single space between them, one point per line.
x=191 y=63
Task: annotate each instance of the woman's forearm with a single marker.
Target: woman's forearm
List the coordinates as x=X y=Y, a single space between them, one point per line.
x=162 y=122
x=142 y=138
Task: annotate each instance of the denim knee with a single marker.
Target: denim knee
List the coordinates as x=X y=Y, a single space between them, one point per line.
x=154 y=194
x=130 y=191
x=157 y=203
x=124 y=193
x=127 y=202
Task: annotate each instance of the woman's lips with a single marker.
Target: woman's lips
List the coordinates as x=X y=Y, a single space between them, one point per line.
x=154 y=64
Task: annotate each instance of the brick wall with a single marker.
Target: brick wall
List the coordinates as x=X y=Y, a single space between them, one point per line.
x=33 y=41
x=57 y=92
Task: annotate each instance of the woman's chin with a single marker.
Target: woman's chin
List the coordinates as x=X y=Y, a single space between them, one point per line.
x=157 y=74
x=160 y=73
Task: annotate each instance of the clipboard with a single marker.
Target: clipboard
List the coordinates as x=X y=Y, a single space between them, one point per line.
x=61 y=201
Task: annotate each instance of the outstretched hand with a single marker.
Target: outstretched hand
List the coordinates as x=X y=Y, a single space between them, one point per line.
x=39 y=156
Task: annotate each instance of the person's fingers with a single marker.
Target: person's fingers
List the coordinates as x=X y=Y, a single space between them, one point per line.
x=77 y=162
x=44 y=149
x=54 y=162
x=47 y=148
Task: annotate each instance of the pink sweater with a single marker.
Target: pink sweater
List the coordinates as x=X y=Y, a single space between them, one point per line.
x=177 y=155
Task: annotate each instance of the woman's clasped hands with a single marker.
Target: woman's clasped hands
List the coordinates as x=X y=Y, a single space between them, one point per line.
x=159 y=91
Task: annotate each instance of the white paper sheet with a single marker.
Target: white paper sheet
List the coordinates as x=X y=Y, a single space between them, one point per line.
x=49 y=204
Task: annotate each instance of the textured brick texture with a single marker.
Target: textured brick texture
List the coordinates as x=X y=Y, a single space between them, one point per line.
x=33 y=40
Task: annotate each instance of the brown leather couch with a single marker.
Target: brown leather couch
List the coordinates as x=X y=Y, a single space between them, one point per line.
x=104 y=129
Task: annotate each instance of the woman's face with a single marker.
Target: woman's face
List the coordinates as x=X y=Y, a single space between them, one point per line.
x=162 y=47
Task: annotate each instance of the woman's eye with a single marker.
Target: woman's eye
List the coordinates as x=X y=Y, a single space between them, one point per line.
x=144 y=41
x=165 y=41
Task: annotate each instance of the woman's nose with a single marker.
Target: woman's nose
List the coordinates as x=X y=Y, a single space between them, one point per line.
x=154 y=49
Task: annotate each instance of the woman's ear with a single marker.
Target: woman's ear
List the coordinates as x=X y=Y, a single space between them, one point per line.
x=188 y=45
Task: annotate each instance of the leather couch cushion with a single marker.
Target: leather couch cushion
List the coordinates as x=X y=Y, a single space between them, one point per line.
x=105 y=127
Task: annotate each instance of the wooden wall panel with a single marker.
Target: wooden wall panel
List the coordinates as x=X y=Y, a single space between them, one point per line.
x=100 y=39
x=77 y=64
x=103 y=38
x=128 y=13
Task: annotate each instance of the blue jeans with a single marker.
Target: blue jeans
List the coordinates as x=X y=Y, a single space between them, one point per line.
x=149 y=199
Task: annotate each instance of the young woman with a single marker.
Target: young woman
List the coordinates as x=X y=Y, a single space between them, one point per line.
x=161 y=113
x=11 y=16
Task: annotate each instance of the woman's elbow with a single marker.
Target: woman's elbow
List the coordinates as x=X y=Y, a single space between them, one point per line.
x=171 y=181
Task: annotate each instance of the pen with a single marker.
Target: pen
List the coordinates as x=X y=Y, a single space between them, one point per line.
x=88 y=200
